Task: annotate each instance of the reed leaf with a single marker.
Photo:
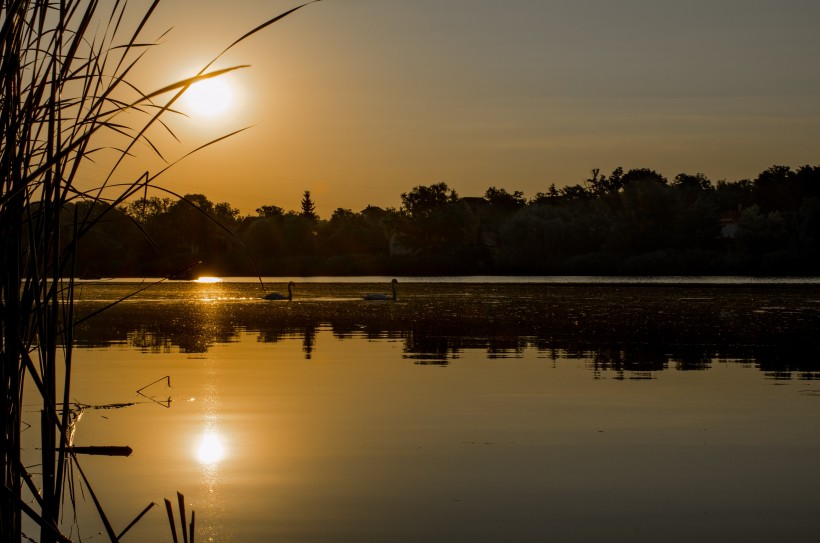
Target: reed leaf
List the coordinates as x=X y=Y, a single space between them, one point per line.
x=32 y=514
x=64 y=82
x=136 y=520
x=182 y=518
x=170 y=510
x=109 y=530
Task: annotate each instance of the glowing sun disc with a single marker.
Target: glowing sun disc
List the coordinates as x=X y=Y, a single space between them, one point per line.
x=209 y=98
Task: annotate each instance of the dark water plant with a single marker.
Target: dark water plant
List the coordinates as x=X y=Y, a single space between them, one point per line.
x=65 y=88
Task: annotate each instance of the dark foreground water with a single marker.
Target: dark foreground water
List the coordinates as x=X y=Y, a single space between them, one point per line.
x=467 y=410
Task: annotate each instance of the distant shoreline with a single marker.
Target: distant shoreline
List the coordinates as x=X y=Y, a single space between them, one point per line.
x=603 y=280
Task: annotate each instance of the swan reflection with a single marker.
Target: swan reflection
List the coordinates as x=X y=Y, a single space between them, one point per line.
x=210 y=449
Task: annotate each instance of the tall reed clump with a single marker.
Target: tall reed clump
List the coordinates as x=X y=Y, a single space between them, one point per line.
x=63 y=88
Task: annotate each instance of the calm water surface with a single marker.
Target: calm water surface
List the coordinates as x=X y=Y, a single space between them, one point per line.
x=472 y=410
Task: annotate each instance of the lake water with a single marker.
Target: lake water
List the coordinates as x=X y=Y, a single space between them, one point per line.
x=472 y=409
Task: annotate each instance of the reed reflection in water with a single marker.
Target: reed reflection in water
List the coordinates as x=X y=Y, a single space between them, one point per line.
x=505 y=414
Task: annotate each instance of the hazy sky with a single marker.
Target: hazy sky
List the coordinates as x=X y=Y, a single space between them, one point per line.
x=360 y=100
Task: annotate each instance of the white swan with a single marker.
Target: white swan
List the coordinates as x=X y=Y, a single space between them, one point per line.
x=393 y=284
x=277 y=296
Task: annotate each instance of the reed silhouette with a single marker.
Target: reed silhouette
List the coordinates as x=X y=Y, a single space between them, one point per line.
x=64 y=86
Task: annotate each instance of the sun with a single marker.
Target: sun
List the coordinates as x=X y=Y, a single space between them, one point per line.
x=209 y=98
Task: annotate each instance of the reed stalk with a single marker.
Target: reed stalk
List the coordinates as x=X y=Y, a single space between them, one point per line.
x=63 y=88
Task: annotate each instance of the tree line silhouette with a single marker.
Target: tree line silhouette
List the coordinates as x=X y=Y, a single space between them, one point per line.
x=626 y=223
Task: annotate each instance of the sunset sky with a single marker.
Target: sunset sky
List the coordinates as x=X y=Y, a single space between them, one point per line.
x=360 y=100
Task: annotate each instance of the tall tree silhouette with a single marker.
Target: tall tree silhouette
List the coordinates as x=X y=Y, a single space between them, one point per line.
x=308 y=207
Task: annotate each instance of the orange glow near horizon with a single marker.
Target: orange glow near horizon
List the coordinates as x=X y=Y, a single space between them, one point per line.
x=520 y=107
x=209 y=279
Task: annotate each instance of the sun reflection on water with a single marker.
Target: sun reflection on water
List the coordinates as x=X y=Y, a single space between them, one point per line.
x=211 y=289
x=210 y=449
x=208 y=279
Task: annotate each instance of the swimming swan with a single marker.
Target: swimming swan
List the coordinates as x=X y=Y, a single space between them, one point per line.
x=277 y=296
x=393 y=284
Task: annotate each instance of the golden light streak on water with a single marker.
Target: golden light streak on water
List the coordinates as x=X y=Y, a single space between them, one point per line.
x=208 y=279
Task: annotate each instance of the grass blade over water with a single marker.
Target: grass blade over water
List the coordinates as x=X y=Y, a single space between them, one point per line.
x=64 y=83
